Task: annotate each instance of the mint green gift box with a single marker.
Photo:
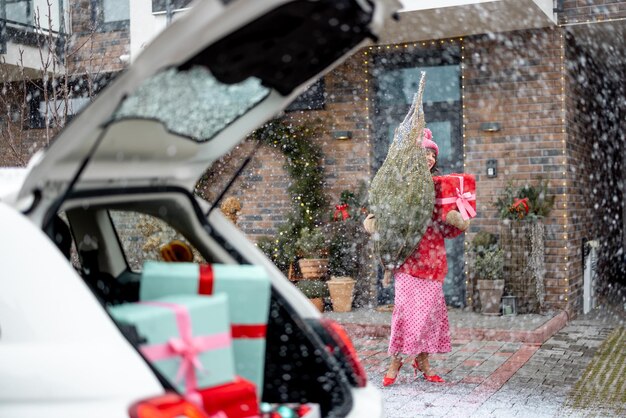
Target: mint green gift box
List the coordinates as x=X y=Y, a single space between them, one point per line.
x=248 y=290
x=159 y=324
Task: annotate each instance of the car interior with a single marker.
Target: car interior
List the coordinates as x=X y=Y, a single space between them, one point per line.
x=303 y=360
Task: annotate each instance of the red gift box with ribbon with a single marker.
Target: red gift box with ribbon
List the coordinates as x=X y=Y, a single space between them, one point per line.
x=455 y=192
x=237 y=399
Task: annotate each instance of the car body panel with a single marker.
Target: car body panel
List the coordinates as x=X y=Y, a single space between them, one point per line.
x=43 y=359
x=52 y=326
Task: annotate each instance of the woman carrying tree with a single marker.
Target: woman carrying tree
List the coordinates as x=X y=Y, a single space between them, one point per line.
x=419 y=324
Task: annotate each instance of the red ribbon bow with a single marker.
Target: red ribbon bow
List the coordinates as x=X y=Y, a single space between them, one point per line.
x=521 y=202
x=343 y=210
x=462 y=201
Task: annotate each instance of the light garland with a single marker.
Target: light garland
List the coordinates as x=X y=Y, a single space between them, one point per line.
x=366 y=61
x=563 y=140
x=466 y=243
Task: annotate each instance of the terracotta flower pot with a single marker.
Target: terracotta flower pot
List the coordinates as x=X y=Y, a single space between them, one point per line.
x=313 y=268
x=341 y=289
x=319 y=303
x=490 y=295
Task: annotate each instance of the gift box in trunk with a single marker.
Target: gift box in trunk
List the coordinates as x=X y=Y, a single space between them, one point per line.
x=455 y=192
x=188 y=339
x=237 y=399
x=248 y=290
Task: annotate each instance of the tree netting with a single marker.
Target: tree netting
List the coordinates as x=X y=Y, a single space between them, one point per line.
x=402 y=194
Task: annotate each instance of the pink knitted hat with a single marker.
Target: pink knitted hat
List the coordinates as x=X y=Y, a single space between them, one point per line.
x=428 y=142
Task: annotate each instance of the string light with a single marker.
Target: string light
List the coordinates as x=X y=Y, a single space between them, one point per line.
x=367 y=59
x=564 y=173
x=462 y=70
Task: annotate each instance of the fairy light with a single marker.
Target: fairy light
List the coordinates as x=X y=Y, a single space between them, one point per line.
x=367 y=60
x=564 y=172
x=463 y=119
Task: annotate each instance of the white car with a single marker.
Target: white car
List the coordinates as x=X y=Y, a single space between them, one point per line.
x=196 y=91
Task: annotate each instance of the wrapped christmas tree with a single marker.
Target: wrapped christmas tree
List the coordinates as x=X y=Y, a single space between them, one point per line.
x=402 y=194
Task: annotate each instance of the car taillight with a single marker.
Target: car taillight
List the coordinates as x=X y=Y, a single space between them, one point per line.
x=169 y=405
x=340 y=336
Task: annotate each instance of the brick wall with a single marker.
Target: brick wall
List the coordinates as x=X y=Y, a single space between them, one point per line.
x=515 y=79
x=576 y=11
x=262 y=187
x=595 y=150
x=96 y=50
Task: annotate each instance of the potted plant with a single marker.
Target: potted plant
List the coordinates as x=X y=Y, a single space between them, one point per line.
x=343 y=263
x=488 y=269
x=315 y=290
x=313 y=249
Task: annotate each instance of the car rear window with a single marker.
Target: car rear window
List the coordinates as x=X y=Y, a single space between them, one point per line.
x=192 y=103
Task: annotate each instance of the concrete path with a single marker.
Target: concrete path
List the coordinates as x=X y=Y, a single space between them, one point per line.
x=502 y=379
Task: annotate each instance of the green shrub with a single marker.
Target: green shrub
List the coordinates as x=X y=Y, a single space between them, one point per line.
x=313 y=288
x=484 y=241
x=490 y=264
x=344 y=246
x=312 y=243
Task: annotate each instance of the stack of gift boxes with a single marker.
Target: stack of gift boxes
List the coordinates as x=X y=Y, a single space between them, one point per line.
x=203 y=328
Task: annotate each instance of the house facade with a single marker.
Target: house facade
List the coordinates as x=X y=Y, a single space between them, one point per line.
x=516 y=91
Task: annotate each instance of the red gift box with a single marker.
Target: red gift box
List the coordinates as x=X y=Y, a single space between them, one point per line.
x=455 y=192
x=237 y=399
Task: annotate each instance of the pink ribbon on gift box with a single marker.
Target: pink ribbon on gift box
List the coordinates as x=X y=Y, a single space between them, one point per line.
x=462 y=200
x=187 y=347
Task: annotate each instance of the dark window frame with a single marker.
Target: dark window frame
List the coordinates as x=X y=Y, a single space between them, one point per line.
x=413 y=57
x=160 y=6
x=97 y=18
x=313 y=98
x=36 y=120
x=439 y=55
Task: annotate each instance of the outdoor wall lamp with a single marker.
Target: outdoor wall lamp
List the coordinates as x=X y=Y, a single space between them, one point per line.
x=342 y=135
x=492 y=168
x=490 y=127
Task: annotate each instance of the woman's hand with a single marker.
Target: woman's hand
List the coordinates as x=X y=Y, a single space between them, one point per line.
x=387 y=278
x=370 y=223
x=455 y=219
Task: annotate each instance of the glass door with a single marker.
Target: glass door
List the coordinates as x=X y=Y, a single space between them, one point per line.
x=396 y=77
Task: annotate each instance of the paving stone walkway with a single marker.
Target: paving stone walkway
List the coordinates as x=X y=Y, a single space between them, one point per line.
x=495 y=379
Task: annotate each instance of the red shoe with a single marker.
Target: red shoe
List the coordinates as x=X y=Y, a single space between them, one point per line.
x=416 y=367
x=388 y=381
x=434 y=378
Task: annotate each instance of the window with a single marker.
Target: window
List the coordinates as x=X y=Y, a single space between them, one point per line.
x=142 y=237
x=192 y=103
x=312 y=99
x=160 y=6
x=19 y=11
x=396 y=77
x=111 y=15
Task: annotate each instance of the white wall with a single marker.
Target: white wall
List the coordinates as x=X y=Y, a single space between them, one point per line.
x=42 y=5
x=144 y=26
x=414 y=5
